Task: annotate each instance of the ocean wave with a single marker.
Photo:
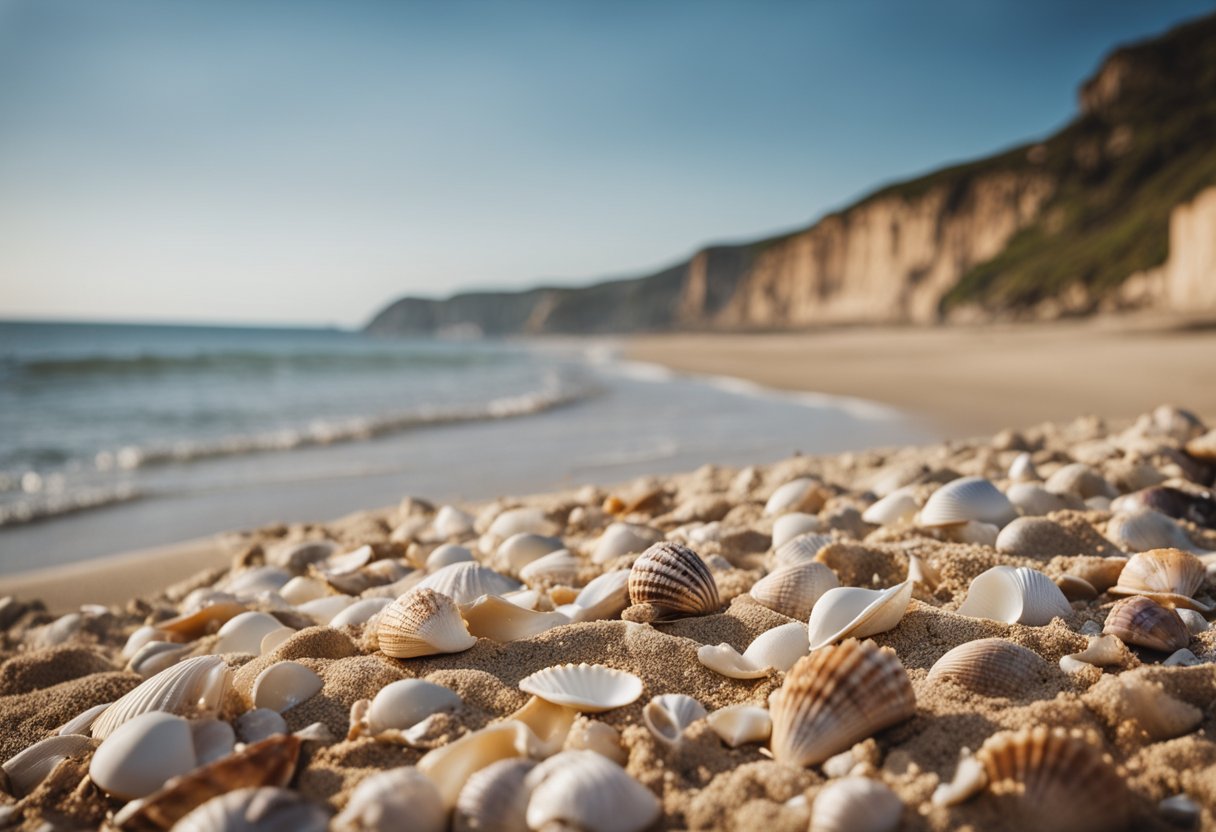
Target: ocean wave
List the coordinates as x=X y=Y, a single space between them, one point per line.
x=45 y=506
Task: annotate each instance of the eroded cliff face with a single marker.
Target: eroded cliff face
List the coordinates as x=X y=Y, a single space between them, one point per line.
x=1190 y=273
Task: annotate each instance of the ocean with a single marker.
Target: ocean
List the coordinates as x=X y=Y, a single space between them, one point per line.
x=114 y=437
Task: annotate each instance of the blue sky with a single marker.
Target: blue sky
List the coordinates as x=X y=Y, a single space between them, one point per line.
x=260 y=161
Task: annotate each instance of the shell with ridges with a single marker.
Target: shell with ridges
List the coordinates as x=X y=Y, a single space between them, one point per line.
x=740 y=724
x=669 y=715
x=852 y=611
x=422 y=623
x=856 y=804
x=464 y=583
x=670 y=581
x=141 y=754
x=30 y=767
x=382 y=802
x=495 y=798
x=1168 y=576
x=265 y=809
x=967 y=498
x=793 y=590
x=1014 y=595
x=1142 y=621
x=802 y=549
x=194 y=686
x=590 y=688
x=990 y=666
x=284 y=685
x=775 y=649
x=586 y=791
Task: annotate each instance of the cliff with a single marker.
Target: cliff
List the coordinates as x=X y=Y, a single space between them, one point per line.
x=1056 y=227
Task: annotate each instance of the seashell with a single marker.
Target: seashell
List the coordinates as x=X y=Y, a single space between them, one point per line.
x=1168 y=576
x=967 y=498
x=142 y=636
x=1140 y=530
x=1142 y=621
x=1033 y=537
x=141 y=754
x=518 y=550
x=298 y=556
x=1052 y=780
x=1203 y=448
x=1098 y=504
x=624 y=539
x=213 y=739
x=1129 y=697
x=741 y=724
x=793 y=590
x=1076 y=589
x=30 y=767
x=669 y=715
x=1197 y=505
x=272 y=640
x=1176 y=422
x=255 y=810
x=1182 y=658
x=592 y=735
x=775 y=649
x=244 y=633
x=382 y=802
x=856 y=804
x=1101 y=573
x=451 y=522
x=605 y=597
x=464 y=583
x=259 y=724
x=990 y=666
x=302 y=589
x=1194 y=622
x=347 y=562
x=194 y=686
x=590 y=688
x=900 y=506
x=529 y=599
x=446 y=555
x=323 y=610
x=1016 y=596
x=197 y=623
x=1179 y=810
x=156 y=656
x=973 y=532
x=82 y=722
x=1033 y=500
x=1079 y=480
x=495 y=798
x=549 y=725
x=852 y=611
x=450 y=766
x=498 y=619
x=1022 y=468
x=284 y=685
x=1103 y=651
x=969 y=780
x=802 y=494
x=358 y=613
x=670 y=581
x=788 y=526
x=586 y=791
x=526 y=520
x=802 y=549
x=422 y=623
x=835 y=697
x=250 y=583
x=560 y=567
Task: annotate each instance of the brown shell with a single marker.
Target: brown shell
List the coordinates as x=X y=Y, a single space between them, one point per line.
x=838 y=696
x=1101 y=573
x=1142 y=621
x=990 y=666
x=793 y=590
x=670 y=581
x=1167 y=575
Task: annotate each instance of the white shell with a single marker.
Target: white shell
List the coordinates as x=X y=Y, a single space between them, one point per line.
x=495 y=798
x=624 y=539
x=669 y=715
x=156 y=656
x=741 y=724
x=497 y=619
x=586 y=791
x=383 y=802
x=255 y=810
x=794 y=590
x=302 y=589
x=795 y=495
x=856 y=804
x=802 y=549
x=142 y=754
x=30 y=767
x=197 y=684
x=605 y=597
x=850 y=611
x=967 y=498
x=1022 y=468
x=284 y=685
x=403 y=704
x=451 y=522
x=450 y=766
x=1140 y=530
x=1103 y=651
x=446 y=555
x=244 y=633
x=899 y=506
x=258 y=724
x=272 y=640
x=1016 y=596
x=777 y=649
x=323 y=610
x=213 y=740
x=972 y=531
x=464 y=583
x=422 y=623
x=359 y=612
x=526 y=520
x=590 y=688
x=142 y=635
x=788 y=526
x=1033 y=500
x=83 y=721
x=518 y=550
x=252 y=582
x=559 y=567
x=1079 y=480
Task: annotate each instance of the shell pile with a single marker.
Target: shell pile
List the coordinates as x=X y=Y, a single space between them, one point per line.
x=815 y=642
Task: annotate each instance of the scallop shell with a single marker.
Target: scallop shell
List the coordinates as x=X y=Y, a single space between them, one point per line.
x=382 y=802
x=518 y=550
x=856 y=804
x=852 y=611
x=741 y=724
x=446 y=555
x=1141 y=530
x=1022 y=468
x=1142 y=621
x=990 y=666
x=669 y=715
x=793 y=590
x=284 y=685
x=358 y=613
x=788 y=526
x=835 y=697
x=1015 y=595
x=560 y=567
x=605 y=597
x=30 y=767
x=590 y=688
x=495 y=799
x=967 y=498
x=1103 y=651
x=195 y=686
x=1033 y=500
x=498 y=619
x=775 y=649
x=624 y=539
x=670 y=581
x=422 y=623
x=464 y=583
x=586 y=791
x=802 y=494
x=1168 y=576
x=450 y=522
x=141 y=754
x=243 y=633
x=900 y=506
x=802 y=549
x=255 y=810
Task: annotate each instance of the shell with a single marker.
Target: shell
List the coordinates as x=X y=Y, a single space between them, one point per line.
x=243 y=633
x=802 y=549
x=802 y=494
x=156 y=656
x=259 y=724
x=1168 y=576
x=1052 y=780
x=1022 y=468
x=301 y=589
x=498 y=619
x=1015 y=595
x=382 y=802
x=624 y=539
x=670 y=581
x=518 y=550
x=1203 y=448
x=590 y=688
x=83 y=721
x=586 y=791
x=358 y=613
x=255 y=810
x=669 y=714
x=141 y=754
x=1076 y=589
x=856 y=804
x=972 y=531
x=1033 y=500
x=1193 y=504
x=1101 y=573
x=1194 y=622
x=560 y=567
x=213 y=739
x=852 y=611
x=30 y=767
x=298 y=556
x=195 y=686
x=450 y=766
x=777 y=649
x=323 y=610
x=422 y=623
x=793 y=590
x=525 y=520
x=549 y=725
x=252 y=582
x=451 y=522
x=788 y=526
x=1034 y=537
x=464 y=583
x=592 y=735
x=1130 y=698
x=446 y=555
x=1079 y=480
x=990 y=666
x=1142 y=621
x=1141 y=530
x=741 y=724
x=284 y=685
x=191 y=625
x=899 y=506
x=140 y=637
x=495 y=799
x=835 y=697
x=605 y=597
x=1103 y=651
x=967 y=498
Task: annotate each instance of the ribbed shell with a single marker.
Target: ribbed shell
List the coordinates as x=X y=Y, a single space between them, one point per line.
x=586 y=687
x=990 y=666
x=1142 y=621
x=256 y=810
x=672 y=582
x=802 y=549
x=495 y=799
x=30 y=767
x=1014 y=595
x=668 y=715
x=835 y=697
x=422 y=622
x=195 y=687
x=856 y=804
x=793 y=590
x=586 y=791
x=1169 y=576
x=464 y=583
x=967 y=498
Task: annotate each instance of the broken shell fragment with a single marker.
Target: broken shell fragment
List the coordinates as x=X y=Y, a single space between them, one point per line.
x=670 y=581
x=852 y=611
x=793 y=590
x=669 y=715
x=1103 y=651
x=497 y=619
x=590 y=688
x=1142 y=621
x=990 y=666
x=284 y=685
x=775 y=649
x=1015 y=595
x=422 y=622
x=741 y=724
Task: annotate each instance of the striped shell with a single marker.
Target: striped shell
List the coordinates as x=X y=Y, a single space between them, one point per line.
x=990 y=666
x=852 y=611
x=802 y=549
x=793 y=590
x=30 y=767
x=422 y=623
x=1168 y=576
x=967 y=498
x=669 y=715
x=670 y=581
x=495 y=798
x=590 y=688
x=1015 y=595
x=1142 y=621
x=195 y=686
x=464 y=583
x=856 y=804
x=835 y=697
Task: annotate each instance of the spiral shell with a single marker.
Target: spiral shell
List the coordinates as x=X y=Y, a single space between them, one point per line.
x=990 y=666
x=670 y=581
x=381 y=802
x=967 y=498
x=835 y=697
x=1142 y=621
x=669 y=715
x=856 y=804
x=590 y=688
x=852 y=611
x=793 y=590
x=1168 y=576
x=195 y=686
x=1015 y=595
x=422 y=622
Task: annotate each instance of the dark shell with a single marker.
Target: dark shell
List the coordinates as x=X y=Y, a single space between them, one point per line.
x=1142 y=621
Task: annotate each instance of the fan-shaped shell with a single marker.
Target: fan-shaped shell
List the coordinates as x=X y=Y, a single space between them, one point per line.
x=835 y=697
x=624 y=539
x=464 y=583
x=900 y=506
x=990 y=666
x=1015 y=595
x=559 y=567
x=1142 y=621
x=422 y=623
x=243 y=633
x=740 y=724
x=497 y=619
x=590 y=688
x=141 y=754
x=802 y=549
x=775 y=649
x=670 y=581
x=194 y=686
x=788 y=526
x=284 y=685
x=584 y=790
x=381 y=802
x=30 y=767
x=495 y=798
x=255 y=810
x=1168 y=576
x=605 y=597
x=802 y=494
x=793 y=590
x=852 y=611
x=669 y=715
x=856 y=804
x=1141 y=530
x=967 y=498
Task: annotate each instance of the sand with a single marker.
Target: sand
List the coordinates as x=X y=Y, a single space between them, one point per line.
x=1155 y=722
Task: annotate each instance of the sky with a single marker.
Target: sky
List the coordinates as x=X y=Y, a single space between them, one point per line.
x=301 y=162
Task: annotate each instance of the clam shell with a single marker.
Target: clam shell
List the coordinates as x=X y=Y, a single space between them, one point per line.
x=250 y=583
x=526 y=520
x=1015 y=595
x=464 y=583
x=1143 y=529
x=382 y=802
x=856 y=804
x=852 y=611
x=324 y=610
x=446 y=555
x=518 y=550
x=624 y=539
x=450 y=766
x=498 y=619
x=194 y=686
x=213 y=739
x=899 y=506
x=1194 y=504
x=1022 y=468
x=741 y=724
x=967 y=498
x=835 y=697
x=775 y=649
x=141 y=754
x=450 y=522
x=255 y=810
x=1033 y=500
x=793 y=590
x=30 y=767
x=422 y=623
x=284 y=685
x=358 y=613
x=671 y=581
x=590 y=688
x=560 y=567
x=802 y=494
x=495 y=799
x=669 y=715
x=990 y=666
x=272 y=640
x=243 y=633
x=802 y=549
x=193 y=624
x=586 y=791
x=788 y=526
x=1168 y=576
x=1079 y=480
x=1142 y=621
x=301 y=589
x=142 y=636
x=605 y=597
x=156 y=656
